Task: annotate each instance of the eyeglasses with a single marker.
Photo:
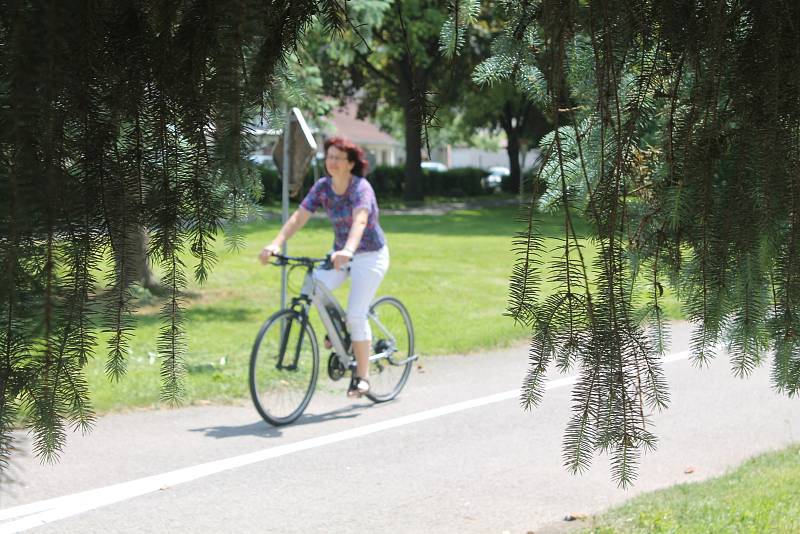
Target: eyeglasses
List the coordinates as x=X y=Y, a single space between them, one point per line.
x=335 y=158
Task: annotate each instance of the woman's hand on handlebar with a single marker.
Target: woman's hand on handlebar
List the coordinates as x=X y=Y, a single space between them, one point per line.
x=341 y=258
x=267 y=253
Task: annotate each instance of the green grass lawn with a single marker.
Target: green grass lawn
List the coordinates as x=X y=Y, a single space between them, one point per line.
x=451 y=271
x=759 y=496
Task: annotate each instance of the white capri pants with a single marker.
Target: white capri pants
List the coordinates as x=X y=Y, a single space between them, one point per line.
x=367 y=270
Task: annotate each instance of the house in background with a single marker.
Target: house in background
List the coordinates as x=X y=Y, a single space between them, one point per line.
x=381 y=148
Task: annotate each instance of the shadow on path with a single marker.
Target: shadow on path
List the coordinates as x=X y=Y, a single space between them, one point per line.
x=263 y=429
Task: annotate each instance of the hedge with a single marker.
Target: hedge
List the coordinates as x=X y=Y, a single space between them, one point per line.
x=462 y=181
x=458 y=182
x=387 y=181
x=271 y=181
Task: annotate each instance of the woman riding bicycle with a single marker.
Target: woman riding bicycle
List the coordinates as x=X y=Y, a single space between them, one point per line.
x=350 y=203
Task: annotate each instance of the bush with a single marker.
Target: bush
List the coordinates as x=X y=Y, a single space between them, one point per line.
x=463 y=181
x=387 y=180
x=271 y=182
x=457 y=182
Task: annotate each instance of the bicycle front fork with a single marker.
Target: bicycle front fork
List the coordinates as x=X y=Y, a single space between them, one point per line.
x=286 y=333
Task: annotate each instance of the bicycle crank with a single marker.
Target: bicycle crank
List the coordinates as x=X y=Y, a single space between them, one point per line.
x=335 y=368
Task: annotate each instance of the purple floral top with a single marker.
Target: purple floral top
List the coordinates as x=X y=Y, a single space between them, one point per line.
x=340 y=209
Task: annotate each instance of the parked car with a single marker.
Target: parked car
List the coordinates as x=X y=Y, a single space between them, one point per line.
x=495 y=178
x=262 y=159
x=433 y=166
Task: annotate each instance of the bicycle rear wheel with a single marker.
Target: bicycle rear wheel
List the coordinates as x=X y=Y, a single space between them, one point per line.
x=393 y=343
x=284 y=366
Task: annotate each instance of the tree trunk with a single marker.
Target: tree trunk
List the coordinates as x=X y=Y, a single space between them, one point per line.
x=512 y=148
x=412 y=116
x=413 y=171
x=134 y=241
x=515 y=180
x=144 y=273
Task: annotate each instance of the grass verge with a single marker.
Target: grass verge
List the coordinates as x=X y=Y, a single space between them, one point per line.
x=759 y=496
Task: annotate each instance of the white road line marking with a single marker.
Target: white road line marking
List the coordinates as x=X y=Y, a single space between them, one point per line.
x=47 y=511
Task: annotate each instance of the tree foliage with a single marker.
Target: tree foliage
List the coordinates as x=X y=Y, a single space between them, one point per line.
x=677 y=136
x=118 y=115
x=492 y=103
x=390 y=55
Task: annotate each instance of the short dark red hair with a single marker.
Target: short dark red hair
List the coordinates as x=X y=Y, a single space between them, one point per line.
x=355 y=153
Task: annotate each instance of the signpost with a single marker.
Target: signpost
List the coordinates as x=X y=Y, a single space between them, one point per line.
x=293 y=152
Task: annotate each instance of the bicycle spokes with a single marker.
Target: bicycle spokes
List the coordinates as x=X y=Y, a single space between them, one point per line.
x=393 y=346
x=283 y=367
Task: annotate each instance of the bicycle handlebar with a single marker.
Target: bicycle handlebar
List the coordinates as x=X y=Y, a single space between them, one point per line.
x=299 y=260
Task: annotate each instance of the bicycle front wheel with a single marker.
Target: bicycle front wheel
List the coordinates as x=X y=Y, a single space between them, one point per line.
x=284 y=366
x=392 y=346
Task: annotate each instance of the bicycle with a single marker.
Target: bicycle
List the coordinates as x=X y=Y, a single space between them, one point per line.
x=284 y=363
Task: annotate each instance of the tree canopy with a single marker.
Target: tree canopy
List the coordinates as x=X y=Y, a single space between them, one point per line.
x=501 y=104
x=677 y=137
x=118 y=114
x=390 y=55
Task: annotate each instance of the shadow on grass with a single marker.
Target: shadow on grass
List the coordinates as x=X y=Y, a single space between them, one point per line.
x=263 y=429
x=205 y=314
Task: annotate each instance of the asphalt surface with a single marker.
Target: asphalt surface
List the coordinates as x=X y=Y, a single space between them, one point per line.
x=357 y=467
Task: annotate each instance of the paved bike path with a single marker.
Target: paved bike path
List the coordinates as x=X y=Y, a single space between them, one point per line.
x=488 y=468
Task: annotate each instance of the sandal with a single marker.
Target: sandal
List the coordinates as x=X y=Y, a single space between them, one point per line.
x=358 y=387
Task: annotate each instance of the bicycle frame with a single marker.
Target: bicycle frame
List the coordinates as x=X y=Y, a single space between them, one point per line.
x=322 y=298
x=331 y=313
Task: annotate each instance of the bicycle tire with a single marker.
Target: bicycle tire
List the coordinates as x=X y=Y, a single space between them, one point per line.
x=388 y=376
x=284 y=368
